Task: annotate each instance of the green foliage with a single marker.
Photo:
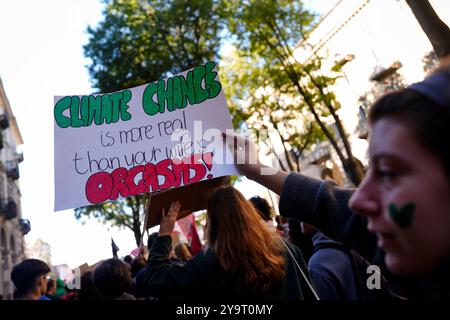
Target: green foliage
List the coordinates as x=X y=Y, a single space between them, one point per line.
x=142 y=41
x=285 y=80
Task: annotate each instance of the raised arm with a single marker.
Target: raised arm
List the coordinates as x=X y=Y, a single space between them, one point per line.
x=317 y=202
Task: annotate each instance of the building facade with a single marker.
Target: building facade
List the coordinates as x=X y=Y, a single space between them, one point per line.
x=381 y=47
x=12 y=226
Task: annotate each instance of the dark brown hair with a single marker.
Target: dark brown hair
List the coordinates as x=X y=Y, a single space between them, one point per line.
x=429 y=121
x=242 y=241
x=112 y=278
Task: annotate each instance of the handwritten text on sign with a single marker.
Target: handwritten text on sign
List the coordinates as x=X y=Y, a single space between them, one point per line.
x=144 y=139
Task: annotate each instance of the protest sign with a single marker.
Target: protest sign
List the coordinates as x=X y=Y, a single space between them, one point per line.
x=149 y=138
x=193 y=198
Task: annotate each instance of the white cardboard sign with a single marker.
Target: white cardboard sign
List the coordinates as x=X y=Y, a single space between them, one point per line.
x=149 y=138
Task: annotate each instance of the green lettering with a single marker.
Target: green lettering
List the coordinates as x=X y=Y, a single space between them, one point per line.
x=61 y=120
x=124 y=114
x=211 y=84
x=200 y=94
x=165 y=95
x=75 y=113
x=106 y=114
x=115 y=98
x=187 y=86
x=150 y=107
x=84 y=109
x=95 y=109
x=178 y=101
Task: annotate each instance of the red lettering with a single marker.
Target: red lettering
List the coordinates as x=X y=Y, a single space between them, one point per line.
x=198 y=167
x=119 y=185
x=98 y=187
x=141 y=186
x=150 y=177
x=103 y=186
x=162 y=169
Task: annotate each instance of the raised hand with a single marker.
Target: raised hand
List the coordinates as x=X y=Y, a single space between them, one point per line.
x=168 y=219
x=245 y=154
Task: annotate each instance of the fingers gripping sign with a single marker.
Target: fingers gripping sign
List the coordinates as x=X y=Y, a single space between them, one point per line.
x=168 y=219
x=245 y=156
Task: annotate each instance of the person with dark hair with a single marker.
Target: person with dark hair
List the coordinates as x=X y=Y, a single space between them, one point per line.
x=112 y=278
x=128 y=259
x=137 y=264
x=51 y=289
x=262 y=206
x=303 y=241
x=88 y=291
x=30 y=279
x=244 y=259
x=403 y=203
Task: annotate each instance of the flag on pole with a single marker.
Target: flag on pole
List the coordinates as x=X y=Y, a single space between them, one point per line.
x=114 y=247
x=187 y=226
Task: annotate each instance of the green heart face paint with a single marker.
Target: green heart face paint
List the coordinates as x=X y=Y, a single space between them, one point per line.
x=403 y=217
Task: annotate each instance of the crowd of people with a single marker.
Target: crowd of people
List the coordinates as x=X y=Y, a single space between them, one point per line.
x=395 y=222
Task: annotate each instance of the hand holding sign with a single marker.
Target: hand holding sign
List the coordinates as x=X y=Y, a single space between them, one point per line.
x=145 y=139
x=245 y=154
x=168 y=220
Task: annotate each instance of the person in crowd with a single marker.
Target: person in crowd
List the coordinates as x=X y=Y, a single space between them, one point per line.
x=265 y=211
x=60 y=288
x=183 y=252
x=402 y=206
x=263 y=207
x=30 y=279
x=137 y=264
x=244 y=259
x=331 y=268
x=128 y=259
x=88 y=291
x=282 y=226
x=112 y=278
x=51 y=289
x=298 y=238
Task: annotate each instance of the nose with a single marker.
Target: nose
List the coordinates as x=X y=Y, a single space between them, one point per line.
x=365 y=200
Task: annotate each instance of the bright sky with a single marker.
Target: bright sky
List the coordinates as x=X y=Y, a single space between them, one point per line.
x=41 y=56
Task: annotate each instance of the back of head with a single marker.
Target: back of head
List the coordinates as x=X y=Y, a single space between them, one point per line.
x=262 y=206
x=88 y=291
x=243 y=242
x=112 y=278
x=425 y=108
x=51 y=287
x=137 y=264
x=128 y=259
x=26 y=274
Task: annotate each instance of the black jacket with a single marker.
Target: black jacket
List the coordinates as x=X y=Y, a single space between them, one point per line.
x=325 y=206
x=201 y=279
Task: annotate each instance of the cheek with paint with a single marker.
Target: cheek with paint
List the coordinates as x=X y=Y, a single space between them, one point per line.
x=403 y=217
